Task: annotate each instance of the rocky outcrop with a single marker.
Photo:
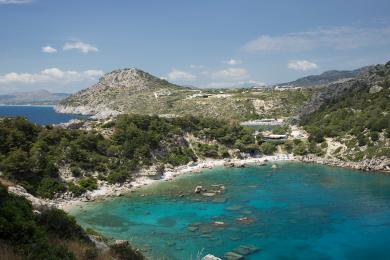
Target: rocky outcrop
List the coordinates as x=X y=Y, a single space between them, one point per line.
x=376 y=164
x=368 y=78
x=37 y=203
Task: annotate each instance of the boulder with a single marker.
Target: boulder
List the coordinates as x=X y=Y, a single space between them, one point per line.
x=198 y=189
x=121 y=242
x=210 y=257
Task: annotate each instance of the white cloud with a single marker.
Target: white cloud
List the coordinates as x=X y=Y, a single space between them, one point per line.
x=9 y=2
x=81 y=46
x=49 y=49
x=338 y=38
x=303 y=65
x=179 y=75
x=50 y=75
x=231 y=74
x=232 y=62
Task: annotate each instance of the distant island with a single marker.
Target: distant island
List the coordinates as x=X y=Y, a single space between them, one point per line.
x=37 y=97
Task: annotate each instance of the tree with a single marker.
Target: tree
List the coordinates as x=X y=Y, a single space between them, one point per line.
x=268 y=148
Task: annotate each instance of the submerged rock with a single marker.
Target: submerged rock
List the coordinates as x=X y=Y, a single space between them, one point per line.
x=232 y=256
x=209 y=194
x=246 y=250
x=192 y=229
x=234 y=207
x=245 y=220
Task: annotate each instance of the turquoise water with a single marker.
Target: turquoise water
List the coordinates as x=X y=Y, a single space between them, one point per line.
x=299 y=211
x=42 y=115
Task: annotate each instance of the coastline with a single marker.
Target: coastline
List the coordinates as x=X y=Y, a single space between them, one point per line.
x=106 y=190
x=146 y=177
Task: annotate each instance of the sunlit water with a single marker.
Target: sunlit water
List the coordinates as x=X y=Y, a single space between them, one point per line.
x=299 y=211
x=42 y=115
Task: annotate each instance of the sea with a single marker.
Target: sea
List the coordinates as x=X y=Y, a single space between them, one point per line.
x=297 y=211
x=42 y=115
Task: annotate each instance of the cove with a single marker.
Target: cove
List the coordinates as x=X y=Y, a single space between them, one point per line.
x=298 y=211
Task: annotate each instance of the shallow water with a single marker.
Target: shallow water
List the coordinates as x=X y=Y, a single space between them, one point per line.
x=299 y=211
x=42 y=115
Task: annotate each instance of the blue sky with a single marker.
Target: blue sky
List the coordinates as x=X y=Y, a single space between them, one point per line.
x=66 y=45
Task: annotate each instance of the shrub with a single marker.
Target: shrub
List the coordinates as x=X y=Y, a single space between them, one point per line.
x=300 y=149
x=60 y=224
x=268 y=148
x=88 y=183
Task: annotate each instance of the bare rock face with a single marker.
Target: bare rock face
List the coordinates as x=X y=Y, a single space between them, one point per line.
x=114 y=93
x=37 y=203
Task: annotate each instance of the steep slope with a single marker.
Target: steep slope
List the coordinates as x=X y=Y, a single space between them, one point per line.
x=351 y=120
x=119 y=91
x=135 y=91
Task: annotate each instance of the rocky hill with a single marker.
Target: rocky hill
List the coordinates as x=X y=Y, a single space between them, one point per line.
x=328 y=77
x=369 y=79
x=37 y=97
x=135 y=91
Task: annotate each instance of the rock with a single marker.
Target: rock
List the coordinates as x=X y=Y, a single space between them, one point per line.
x=208 y=194
x=218 y=223
x=232 y=256
x=171 y=243
x=234 y=207
x=198 y=189
x=246 y=250
x=210 y=257
x=274 y=166
x=121 y=242
x=192 y=229
x=245 y=220
x=219 y=200
x=375 y=89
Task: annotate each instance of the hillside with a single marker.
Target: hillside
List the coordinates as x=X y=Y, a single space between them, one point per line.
x=350 y=121
x=37 y=97
x=327 y=77
x=135 y=91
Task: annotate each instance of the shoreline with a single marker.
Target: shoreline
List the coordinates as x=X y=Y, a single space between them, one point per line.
x=108 y=191
x=146 y=177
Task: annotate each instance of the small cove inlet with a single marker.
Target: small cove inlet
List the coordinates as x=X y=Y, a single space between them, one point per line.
x=297 y=211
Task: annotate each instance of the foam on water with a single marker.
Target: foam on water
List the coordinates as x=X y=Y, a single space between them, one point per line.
x=297 y=211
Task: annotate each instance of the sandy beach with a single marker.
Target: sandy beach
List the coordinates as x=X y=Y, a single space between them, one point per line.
x=106 y=190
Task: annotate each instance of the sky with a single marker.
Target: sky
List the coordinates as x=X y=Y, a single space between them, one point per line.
x=66 y=45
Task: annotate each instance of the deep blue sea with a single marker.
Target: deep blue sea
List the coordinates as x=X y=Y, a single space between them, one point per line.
x=298 y=211
x=42 y=115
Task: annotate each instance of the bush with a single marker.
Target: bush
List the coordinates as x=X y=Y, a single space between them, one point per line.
x=48 y=187
x=88 y=183
x=60 y=224
x=268 y=148
x=125 y=252
x=300 y=149
x=118 y=176
x=76 y=189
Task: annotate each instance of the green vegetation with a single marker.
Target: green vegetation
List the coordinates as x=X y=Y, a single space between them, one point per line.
x=360 y=120
x=51 y=234
x=34 y=156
